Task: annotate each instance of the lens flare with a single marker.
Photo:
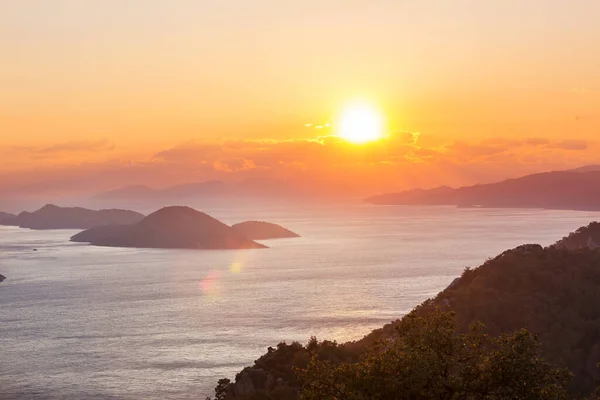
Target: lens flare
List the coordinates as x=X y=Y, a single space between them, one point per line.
x=236 y=267
x=209 y=284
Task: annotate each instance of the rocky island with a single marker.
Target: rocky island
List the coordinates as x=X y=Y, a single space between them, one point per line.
x=55 y=217
x=5 y=215
x=260 y=230
x=174 y=227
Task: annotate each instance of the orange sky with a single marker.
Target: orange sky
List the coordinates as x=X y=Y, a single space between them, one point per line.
x=157 y=92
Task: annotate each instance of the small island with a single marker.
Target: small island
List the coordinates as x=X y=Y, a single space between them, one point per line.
x=5 y=215
x=55 y=217
x=2 y=278
x=173 y=227
x=260 y=230
x=98 y=234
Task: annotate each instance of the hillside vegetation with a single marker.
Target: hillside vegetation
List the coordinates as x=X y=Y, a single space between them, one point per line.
x=544 y=301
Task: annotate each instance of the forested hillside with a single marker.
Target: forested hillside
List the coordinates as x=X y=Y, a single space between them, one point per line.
x=546 y=300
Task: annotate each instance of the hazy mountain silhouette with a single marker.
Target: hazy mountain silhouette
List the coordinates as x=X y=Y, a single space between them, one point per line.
x=133 y=191
x=143 y=192
x=587 y=168
x=170 y=227
x=54 y=217
x=194 y=189
x=563 y=190
x=249 y=187
x=5 y=215
x=260 y=230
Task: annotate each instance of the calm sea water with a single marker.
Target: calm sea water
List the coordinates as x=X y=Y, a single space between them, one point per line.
x=78 y=321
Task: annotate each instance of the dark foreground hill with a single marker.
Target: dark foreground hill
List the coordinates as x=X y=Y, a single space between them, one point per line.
x=54 y=217
x=552 y=292
x=561 y=190
x=260 y=230
x=585 y=237
x=170 y=228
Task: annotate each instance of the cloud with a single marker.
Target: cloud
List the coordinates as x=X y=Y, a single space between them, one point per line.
x=78 y=146
x=536 y=142
x=233 y=165
x=323 y=163
x=472 y=151
x=189 y=151
x=499 y=141
x=65 y=149
x=332 y=153
x=576 y=145
x=530 y=159
x=405 y=137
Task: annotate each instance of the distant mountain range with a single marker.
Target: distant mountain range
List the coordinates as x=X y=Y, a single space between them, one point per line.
x=562 y=190
x=141 y=191
x=5 y=215
x=252 y=187
x=54 y=217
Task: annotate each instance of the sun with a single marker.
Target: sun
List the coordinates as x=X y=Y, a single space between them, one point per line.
x=360 y=123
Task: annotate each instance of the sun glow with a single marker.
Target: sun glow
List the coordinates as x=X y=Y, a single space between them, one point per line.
x=360 y=123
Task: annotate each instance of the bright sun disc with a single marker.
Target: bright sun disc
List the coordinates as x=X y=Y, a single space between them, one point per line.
x=360 y=123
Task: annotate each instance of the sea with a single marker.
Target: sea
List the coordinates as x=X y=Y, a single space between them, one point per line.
x=85 y=322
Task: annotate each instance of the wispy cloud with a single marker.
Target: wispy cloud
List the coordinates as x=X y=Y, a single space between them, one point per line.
x=78 y=146
x=66 y=148
x=402 y=160
x=569 y=145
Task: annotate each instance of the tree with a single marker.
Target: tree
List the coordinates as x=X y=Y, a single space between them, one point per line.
x=222 y=388
x=429 y=359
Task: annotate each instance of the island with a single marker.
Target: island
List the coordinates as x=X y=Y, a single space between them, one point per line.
x=98 y=234
x=55 y=217
x=175 y=227
x=260 y=230
x=5 y=215
x=2 y=278
x=559 y=190
x=529 y=309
